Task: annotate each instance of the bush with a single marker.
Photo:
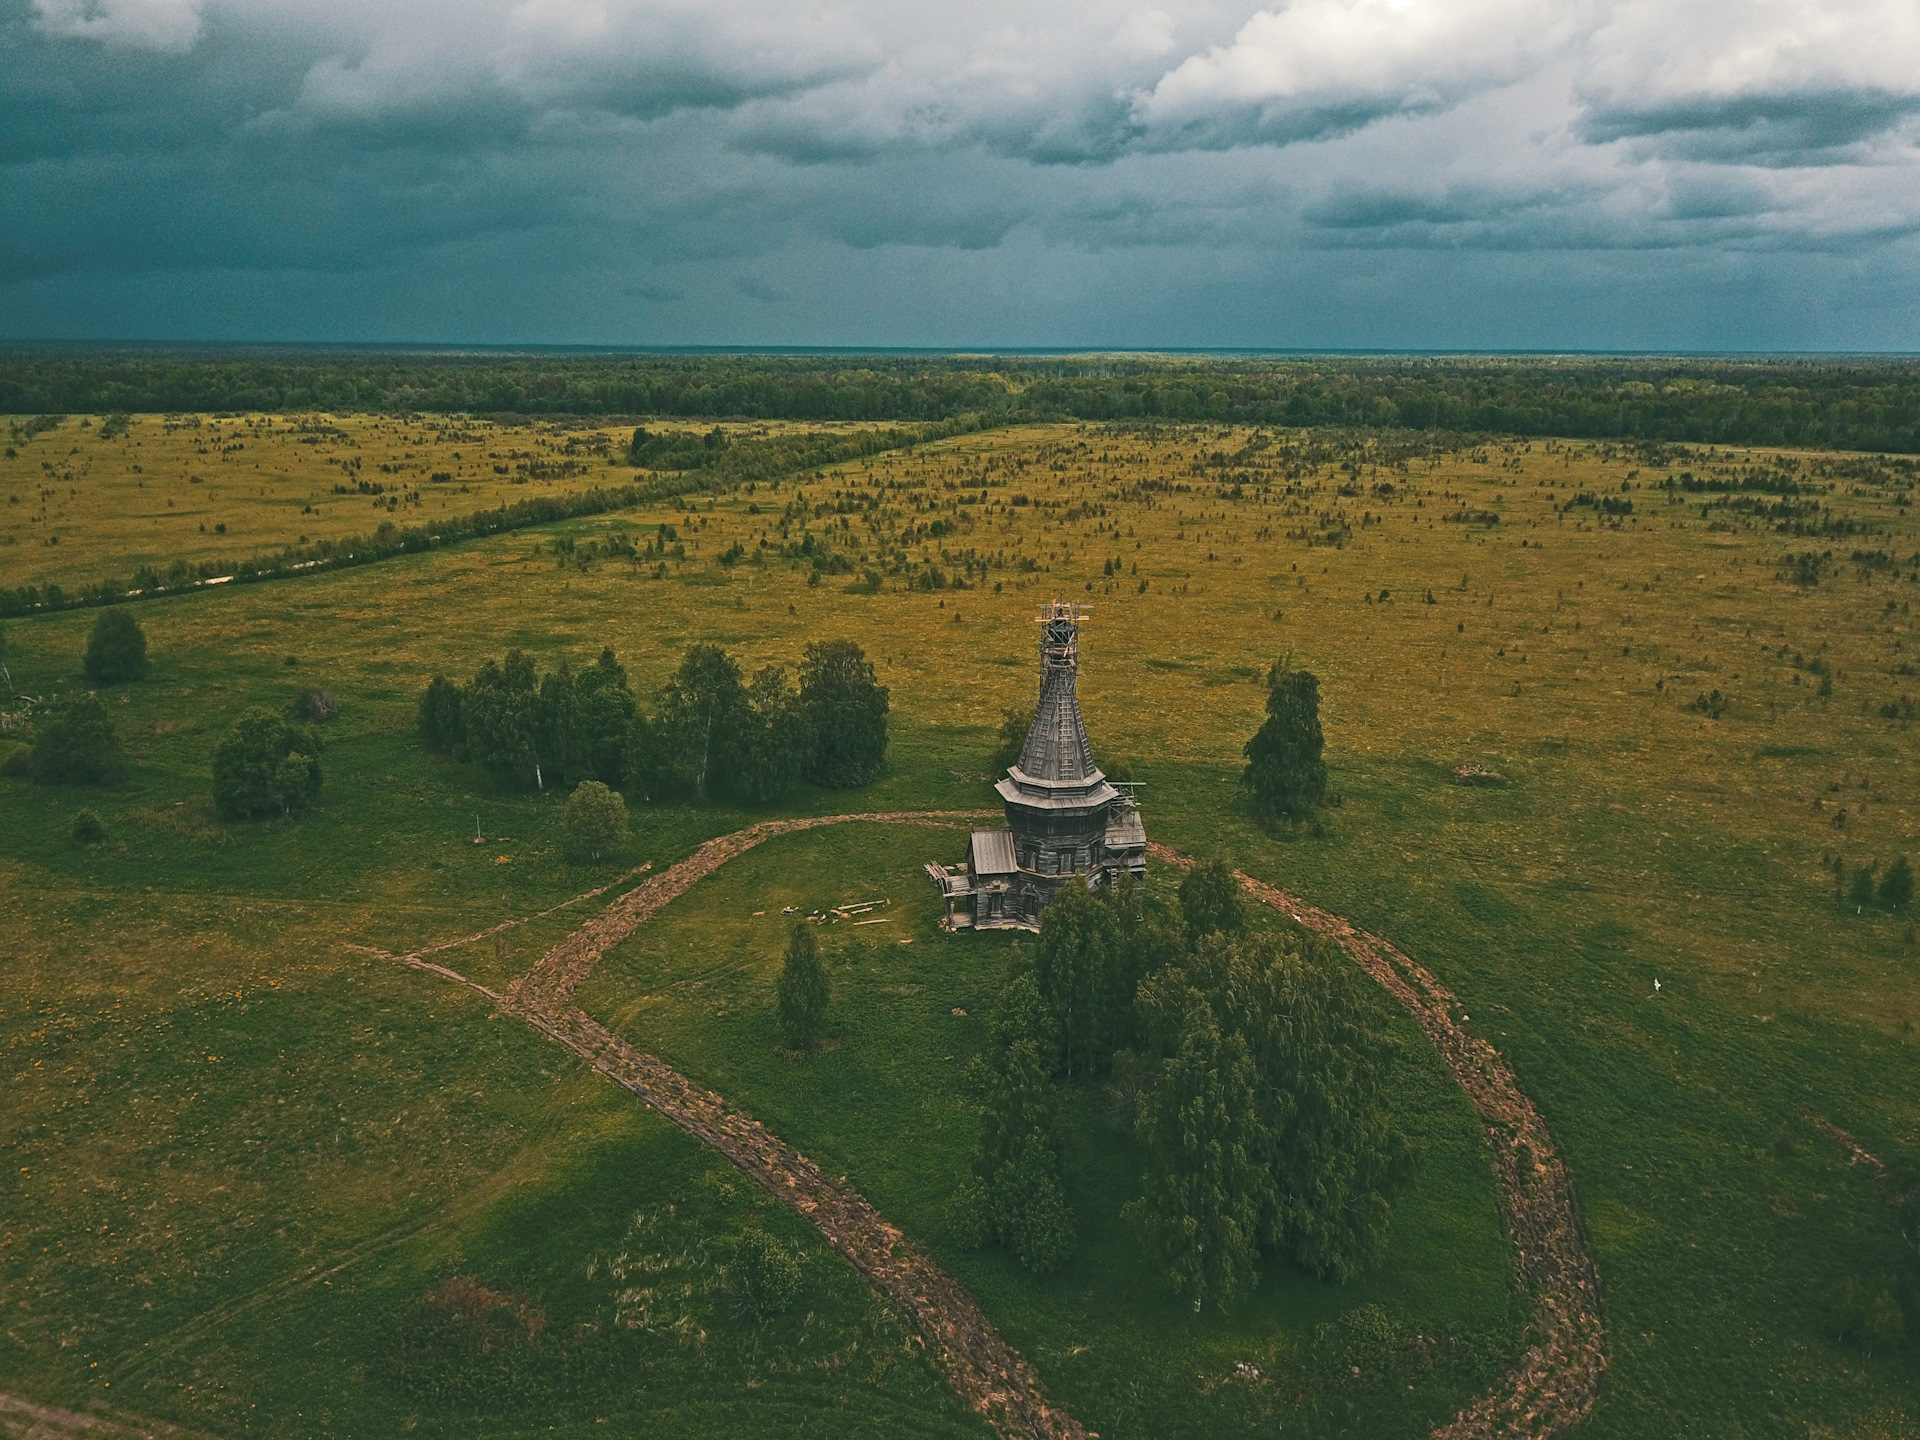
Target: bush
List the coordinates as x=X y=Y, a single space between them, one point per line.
x=1285 y=772
x=77 y=746
x=265 y=765
x=89 y=829
x=16 y=764
x=596 y=821
x=314 y=706
x=440 y=724
x=1896 y=886
x=764 y=1276
x=804 y=992
x=1861 y=895
x=117 y=648
x=1210 y=901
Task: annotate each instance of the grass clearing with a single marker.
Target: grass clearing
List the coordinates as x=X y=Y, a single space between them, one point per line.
x=166 y=992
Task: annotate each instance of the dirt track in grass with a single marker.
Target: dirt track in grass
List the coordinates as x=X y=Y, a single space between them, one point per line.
x=1557 y=1380
x=1551 y=1389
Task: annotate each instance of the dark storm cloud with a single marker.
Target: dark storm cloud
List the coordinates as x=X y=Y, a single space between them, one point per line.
x=716 y=163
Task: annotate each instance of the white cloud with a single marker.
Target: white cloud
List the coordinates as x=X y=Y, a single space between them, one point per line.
x=166 y=25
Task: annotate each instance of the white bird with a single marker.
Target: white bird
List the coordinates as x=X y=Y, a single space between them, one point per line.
x=1656 y=986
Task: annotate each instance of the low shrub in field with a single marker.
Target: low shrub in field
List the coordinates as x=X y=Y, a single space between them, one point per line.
x=596 y=821
x=117 y=648
x=314 y=706
x=264 y=765
x=77 y=746
x=764 y=1275
x=89 y=829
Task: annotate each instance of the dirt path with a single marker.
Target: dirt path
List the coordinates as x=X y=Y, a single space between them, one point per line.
x=1556 y=1382
x=1551 y=1389
x=24 y=1420
x=561 y=970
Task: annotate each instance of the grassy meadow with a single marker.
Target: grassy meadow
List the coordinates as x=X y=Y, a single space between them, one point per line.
x=240 y=1151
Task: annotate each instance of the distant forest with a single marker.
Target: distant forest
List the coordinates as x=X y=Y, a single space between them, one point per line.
x=1847 y=404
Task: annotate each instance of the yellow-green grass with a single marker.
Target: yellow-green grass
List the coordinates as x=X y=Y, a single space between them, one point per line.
x=1634 y=839
x=82 y=500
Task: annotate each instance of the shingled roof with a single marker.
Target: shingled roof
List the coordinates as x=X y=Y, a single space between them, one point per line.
x=1057 y=750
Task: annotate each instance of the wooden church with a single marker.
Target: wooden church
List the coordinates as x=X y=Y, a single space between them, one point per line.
x=1064 y=817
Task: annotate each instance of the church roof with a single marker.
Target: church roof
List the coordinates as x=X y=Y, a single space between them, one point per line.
x=1057 y=751
x=991 y=853
x=1055 y=771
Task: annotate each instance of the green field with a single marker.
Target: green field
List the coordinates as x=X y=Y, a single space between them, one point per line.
x=241 y=1151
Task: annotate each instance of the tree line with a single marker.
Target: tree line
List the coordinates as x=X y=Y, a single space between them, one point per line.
x=714 y=732
x=1850 y=404
x=1253 y=1069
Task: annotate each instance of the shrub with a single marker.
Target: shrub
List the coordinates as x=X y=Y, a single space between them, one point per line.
x=596 y=821
x=77 y=746
x=117 y=648
x=1861 y=895
x=89 y=829
x=314 y=706
x=265 y=764
x=1896 y=886
x=16 y=763
x=1210 y=901
x=764 y=1276
x=804 y=992
x=440 y=724
x=1285 y=772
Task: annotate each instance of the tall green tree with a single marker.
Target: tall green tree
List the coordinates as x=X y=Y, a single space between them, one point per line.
x=501 y=712
x=1073 y=967
x=778 y=740
x=703 y=723
x=1205 y=1188
x=1210 y=901
x=847 y=708
x=439 y=722
x=77 y=746
x=1896 y=886
x=1285 y=773
x=116 y=648
x=603 y=710
x=1016 y=1196
x=1323 y=1057
x=265 y=765
x=804 y=991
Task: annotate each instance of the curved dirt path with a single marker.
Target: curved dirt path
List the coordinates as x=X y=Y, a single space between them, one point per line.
x=1551 y=1389
x=560 y=971
x=987 y=1372
x=1556 y=1382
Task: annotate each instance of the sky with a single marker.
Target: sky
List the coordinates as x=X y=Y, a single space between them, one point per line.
x=1380 y=174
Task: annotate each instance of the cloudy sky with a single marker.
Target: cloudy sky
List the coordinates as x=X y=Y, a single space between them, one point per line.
x=1697 y=174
